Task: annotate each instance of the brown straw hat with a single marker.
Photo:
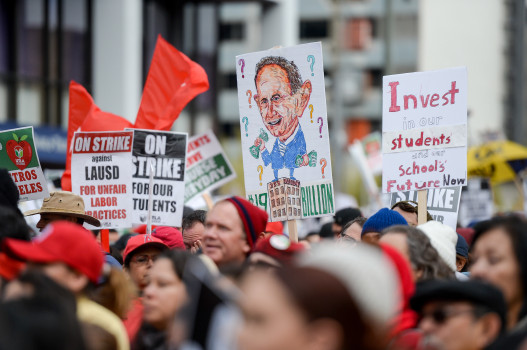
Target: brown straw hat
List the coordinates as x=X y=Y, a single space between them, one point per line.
x=64 y=203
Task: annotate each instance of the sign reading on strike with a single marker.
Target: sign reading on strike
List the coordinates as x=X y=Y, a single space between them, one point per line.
x=166 y=152
x=207 y=166
x=442 y=203
x=19 y=156
x=101 y=172
x=424 y=124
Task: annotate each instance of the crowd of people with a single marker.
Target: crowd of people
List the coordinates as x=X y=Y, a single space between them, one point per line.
x=229 y=279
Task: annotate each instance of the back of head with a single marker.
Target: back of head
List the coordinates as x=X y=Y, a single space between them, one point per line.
x=13 y=225
x=9 y=195
x=443 y=239
x=369 y=277
x=322 y=296
x=345 y=215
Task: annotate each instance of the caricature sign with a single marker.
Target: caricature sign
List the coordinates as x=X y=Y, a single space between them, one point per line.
x=424 y=125
x=285 y=141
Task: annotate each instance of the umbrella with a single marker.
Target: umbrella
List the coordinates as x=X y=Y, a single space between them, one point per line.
x=500 y=161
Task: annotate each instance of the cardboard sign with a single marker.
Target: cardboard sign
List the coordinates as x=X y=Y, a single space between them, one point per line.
x=442 y=203
x=167 y=152
x=424 y=124
x=284 y=131
x=101 y=173
x=19 y=156
x=477 y=203
x=207 y=166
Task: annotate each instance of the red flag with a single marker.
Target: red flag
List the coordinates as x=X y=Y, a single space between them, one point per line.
x=86 y=116
x=173 y=81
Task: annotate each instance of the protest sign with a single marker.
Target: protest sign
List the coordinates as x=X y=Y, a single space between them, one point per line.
x=207 y=166
x=285 y=141
x=101 y=173
x=19 y=157
x=477 y=202
x=424 y=124
x=166 y=151
x=442 y=203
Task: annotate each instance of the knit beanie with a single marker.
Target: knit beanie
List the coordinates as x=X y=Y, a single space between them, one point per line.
x=382 y=219
x=254 y=219
x=461 y=246
x=443 y=238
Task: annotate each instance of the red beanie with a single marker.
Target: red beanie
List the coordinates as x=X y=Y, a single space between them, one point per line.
x=254 y=219
x=275 y=227
x=171 y=236
x=278 y=247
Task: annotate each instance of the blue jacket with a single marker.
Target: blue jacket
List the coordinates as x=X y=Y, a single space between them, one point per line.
x=292 y=150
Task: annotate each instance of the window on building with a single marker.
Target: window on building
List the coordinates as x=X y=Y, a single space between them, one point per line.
x=228 y=81
x=231 y=31
x=45 y=44
x=310 y=29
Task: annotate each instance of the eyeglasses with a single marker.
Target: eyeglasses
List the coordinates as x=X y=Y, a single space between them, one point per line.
x=143 y=259
x=441 y=315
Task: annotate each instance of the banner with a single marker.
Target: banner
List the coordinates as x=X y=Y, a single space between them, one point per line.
x=207 y=166
x=166 y=152
x=19 y=156
x=442 y=203
x=477 y=202
x=424 y=124
x=101 y=173
x=285 y=140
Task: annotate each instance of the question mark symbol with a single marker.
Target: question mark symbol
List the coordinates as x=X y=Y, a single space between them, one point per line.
x=321 y=121
x=323 y=163
x=312 y=63
x=311 y=113
x=241 y=62
x=246 y=121
x=260 y=171
x=250 y=94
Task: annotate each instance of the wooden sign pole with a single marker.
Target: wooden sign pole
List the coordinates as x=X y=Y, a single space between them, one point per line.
x=421 y=206
x=208 y=200
x=293 y=231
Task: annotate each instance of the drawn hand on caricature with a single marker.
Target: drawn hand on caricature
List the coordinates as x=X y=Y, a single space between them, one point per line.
x=305 y=160
x=196 y=246
x=260 y=143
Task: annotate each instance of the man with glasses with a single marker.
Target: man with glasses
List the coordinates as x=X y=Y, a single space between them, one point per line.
x=352 y=230
x=456 y=315
x=139 y=255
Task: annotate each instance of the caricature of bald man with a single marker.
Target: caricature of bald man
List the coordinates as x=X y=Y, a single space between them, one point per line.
x=282 y=98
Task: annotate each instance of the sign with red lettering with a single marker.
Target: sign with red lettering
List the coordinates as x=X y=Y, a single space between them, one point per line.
x=19 y=156
x=207 y=166
x=101 y=173
x=424 y=125
x=166 y=153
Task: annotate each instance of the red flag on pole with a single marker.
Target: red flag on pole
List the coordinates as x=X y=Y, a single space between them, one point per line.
x=85 y=115
x=173 y=81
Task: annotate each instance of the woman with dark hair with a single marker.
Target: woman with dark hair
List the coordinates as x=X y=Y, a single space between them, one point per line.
x=163 y=297
x=322 y=304
x=499 y=256
x=416 y=247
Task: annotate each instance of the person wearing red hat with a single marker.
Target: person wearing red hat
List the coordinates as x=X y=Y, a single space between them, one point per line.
x=274 y=251
x=70 y=255
x=231 y=230
x=139 y=255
